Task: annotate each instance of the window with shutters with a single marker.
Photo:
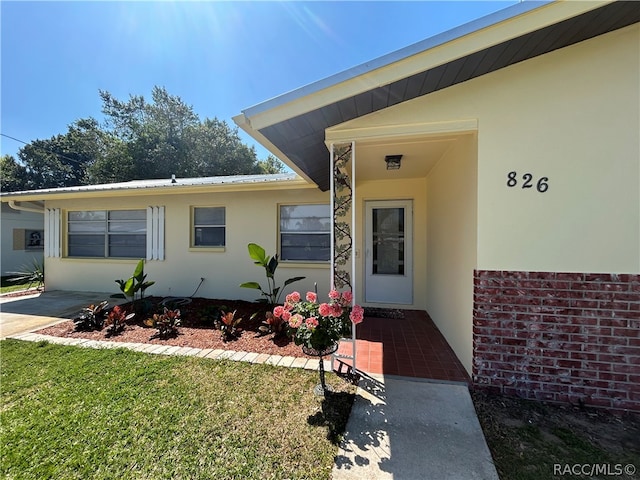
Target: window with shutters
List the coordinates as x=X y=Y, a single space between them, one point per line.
x=107 y=233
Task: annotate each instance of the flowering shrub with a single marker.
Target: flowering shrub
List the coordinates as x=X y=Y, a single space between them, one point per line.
x=319 y=325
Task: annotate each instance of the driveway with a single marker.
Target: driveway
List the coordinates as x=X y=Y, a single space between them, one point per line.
x=30 y=312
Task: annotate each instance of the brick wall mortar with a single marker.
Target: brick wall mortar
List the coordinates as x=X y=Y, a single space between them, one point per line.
x=558 y=336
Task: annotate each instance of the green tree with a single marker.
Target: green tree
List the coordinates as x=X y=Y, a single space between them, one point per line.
x=141 y=140
x=63 y=160
x=13 y=176
x=271 y=165
x=216 y=149
x=156 y=134
x=116 y=165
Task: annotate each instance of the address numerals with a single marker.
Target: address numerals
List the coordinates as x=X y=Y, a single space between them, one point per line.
x=542 y=184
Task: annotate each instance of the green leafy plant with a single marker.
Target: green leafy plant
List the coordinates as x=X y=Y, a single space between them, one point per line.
x=30 y=273
x=228 y=325
x=116 y=320
x=166 y=322
x=91 y=317
x=270 y=264
x=137 y=283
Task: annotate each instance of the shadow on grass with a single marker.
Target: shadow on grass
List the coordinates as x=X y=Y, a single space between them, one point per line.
x=334 y=414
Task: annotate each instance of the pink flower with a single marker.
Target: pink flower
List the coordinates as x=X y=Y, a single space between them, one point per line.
x=357 y=314
x=295 y=321
x=336 y=310
x=334 y=294
x=312 y=322
x=325 y=309
x=312 y=297
x=286 y=315
x=293 y=297
x=288 y=306
x=278 y=311
x=347 y=296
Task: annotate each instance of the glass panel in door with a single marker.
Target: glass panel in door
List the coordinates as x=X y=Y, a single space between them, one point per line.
x=388 y=241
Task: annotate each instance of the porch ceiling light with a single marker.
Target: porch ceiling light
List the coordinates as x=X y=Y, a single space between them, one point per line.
x=393 y=162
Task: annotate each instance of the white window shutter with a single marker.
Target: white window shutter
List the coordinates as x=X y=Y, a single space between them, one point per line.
x=155 y=233
x=52 y=232
x=149 y=233
x=160 y=233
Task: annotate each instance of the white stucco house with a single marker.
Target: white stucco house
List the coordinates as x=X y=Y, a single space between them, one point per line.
x=489 y=175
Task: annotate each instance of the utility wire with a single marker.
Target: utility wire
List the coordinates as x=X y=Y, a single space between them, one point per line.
x=44 y=149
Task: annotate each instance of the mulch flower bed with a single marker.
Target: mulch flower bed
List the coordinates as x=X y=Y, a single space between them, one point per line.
x=197 y=329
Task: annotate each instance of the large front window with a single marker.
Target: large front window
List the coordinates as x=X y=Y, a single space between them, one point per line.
x=305 y=233
x=104 y=233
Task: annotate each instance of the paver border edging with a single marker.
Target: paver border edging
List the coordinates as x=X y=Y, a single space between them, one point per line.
x=171 y=350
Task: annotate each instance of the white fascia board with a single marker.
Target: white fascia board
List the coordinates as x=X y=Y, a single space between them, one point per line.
x=467 y=39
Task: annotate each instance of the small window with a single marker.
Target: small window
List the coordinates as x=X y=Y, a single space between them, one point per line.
x=305 y=233
x=209 y=228
x=107 y=234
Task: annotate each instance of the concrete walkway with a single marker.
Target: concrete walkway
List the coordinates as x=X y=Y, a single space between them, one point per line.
x=32 y=312
x=406 y=428
x=400 y=428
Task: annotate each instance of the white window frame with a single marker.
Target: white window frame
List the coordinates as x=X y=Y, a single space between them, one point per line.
x=327 y=232
x=193 y=226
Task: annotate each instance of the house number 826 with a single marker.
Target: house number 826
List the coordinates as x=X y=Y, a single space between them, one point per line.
x=542 y=184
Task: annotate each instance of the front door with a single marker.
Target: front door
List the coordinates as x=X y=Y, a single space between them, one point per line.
x=388 y=252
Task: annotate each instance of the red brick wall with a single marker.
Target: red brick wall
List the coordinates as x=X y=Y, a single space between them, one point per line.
x=559 y=337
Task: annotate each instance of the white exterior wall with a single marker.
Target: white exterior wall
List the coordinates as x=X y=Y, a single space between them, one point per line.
x=251 y=216
x=571 y=115
x=451 y=245
x=14 y=255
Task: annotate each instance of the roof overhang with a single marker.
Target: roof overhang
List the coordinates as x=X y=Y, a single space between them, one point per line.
x=181 y=186
x=292 y=126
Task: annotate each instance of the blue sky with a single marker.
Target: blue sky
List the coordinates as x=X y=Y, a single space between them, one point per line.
x=219 y=57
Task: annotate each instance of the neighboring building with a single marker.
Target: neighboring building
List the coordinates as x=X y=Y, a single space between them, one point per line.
x=22 y=241
x=513 y=218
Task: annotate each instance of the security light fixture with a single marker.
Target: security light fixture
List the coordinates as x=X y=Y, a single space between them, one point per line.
x=393 y=162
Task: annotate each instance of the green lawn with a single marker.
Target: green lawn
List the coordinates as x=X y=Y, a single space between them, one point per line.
x=6 y=285
x=75 y=413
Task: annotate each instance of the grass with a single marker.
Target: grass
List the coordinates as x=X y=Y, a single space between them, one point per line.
x=74 y=413
x=7 y=286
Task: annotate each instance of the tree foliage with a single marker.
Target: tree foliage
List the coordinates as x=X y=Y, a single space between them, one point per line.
x=137 y=140
x=271 y=165
x=13 y=176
